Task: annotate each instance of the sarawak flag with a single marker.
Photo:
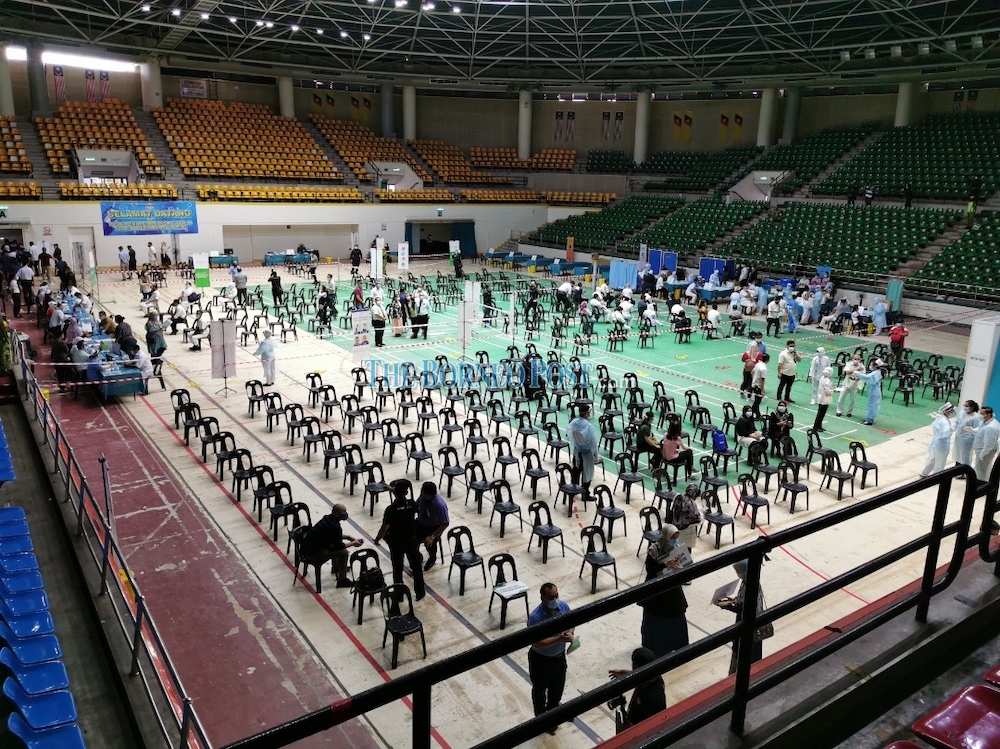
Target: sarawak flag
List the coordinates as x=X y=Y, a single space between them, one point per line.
x=560 y=119
x=724 y=126
x=570 y=125
x=688 y=125
x=91 y=85
x=355 y=108
x=605 y=125
x=60 y=81
x=619 y=124
x=737 y=127
x=317 y=101
x=678 y=124
x=331 y=102
x=366 y=114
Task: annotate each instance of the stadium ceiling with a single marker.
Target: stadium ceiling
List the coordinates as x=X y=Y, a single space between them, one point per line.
x=537 y=44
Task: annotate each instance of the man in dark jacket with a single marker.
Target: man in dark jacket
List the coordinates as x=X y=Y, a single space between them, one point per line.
x=326 y=541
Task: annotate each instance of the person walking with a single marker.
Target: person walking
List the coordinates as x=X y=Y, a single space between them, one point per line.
x=432 y=520
x=941 y=431
x=873 y=381
x=277 y=293
x=547 y=657
x=240 y=279
x=664 y=624
x=15 y=296
x=399 y=529
x=824 y=397
x=583 y=443
x=787 y=364
x=984 y=444
x=267 y=351
x=967 y=422
x=851 y=386
x=880 y=312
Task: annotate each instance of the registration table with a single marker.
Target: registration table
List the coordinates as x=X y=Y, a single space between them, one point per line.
x=122 y=380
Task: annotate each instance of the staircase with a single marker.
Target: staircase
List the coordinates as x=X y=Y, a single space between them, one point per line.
x=924 y=255
x=806 y=190
x=172 y=173
x=715 y=247
x=41 y=173
x=350 y=179
x=437 y=181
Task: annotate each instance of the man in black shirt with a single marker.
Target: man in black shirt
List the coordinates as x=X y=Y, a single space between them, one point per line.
x=326 y=541
x=399 y=528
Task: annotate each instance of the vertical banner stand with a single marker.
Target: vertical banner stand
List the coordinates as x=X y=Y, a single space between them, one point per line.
x=223 y=334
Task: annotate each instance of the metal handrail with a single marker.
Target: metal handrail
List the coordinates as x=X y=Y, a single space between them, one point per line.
x=176 y=718
x=419 y=683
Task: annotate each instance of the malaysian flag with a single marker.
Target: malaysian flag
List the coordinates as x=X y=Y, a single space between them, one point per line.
x=60 y=80
x=105 y=85
x=91 y=85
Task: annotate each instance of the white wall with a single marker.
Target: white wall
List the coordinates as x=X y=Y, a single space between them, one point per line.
x=326 y=227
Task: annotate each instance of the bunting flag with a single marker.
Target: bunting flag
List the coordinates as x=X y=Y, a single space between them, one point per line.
x=723 y=126
x=737 y=127
x=973 y=98
x=688 y=125
x=367 y=113
x=605 y=125
x=560 y=119
x=105 y=85
x=91 y=85
x=619 y=124
x=331 y=102
x=60 y=81
x=678 y=122
x=958 y=98
x=317 y=101
x=570 y=125
x=355 y=108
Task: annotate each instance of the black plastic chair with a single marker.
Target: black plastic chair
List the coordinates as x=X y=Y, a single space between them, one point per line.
x=505 y=457
x=451 y=466
x=596 y=554
x=751 y=499
x=504 y=504
x=463 y=555
x=333 y=449
x=294 y=414
x=375 y=484
x=629 y=475
x=789 y=486
x=476 y=483
x=400 y=621
x=474 y=438
x=274 y=408
x=652 y=527
x=833 y=471
x=760 y=465
x=543 y=529
x=860 y=462
x=255 y=396
x=534 y=472
x=417 y=452
x=506 y=586
x=607 y=511
x=715 y=518
x=362 y=561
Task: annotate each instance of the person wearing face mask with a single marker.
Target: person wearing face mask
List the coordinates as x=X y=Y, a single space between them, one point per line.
x=967 y=422
x=758 y=376
x=824 y=397
x=735 y=605
x=399 y=528
x=779 y=425
x=583 y=443
x=664 y=625
x=746 y=428
x=819 y=362
x=873 y=379
x=326 y=541
x=547 y=657
x=849 y=390
x=984 y=445
x=787 y=363
x=941 y=431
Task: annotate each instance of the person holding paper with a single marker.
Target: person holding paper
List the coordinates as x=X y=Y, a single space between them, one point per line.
x=736 y=606
x=547 y=657
x=650 y=697
x=664 y=626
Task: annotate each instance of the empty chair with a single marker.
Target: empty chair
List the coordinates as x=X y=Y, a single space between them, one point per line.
x=629 y=475
x=383 y=393
x=209 y=434
x=504 y=504
x=596 y=554
x=715 y=518
x=427 y=414
x=497 y=415
x=607 y=512
x=330 y=402
x=526 y=428
x=407 y=402
x=506 y=586
x=476 y=483
x=417 y=452
x=314 y=382
x=361 y=381
x=759 y=463
x=543 y=529
x=534 y=471
x=790 y=454
x=225 y=445
x=966 y=720
x=259 y=480
x=451 y=426
x=555 y=443
x=367 y=584
x=354 y=467
x=274 y=408
x=297 y=511
x=333 y=449
x=392 y=437
x=463 y=555
x=190 y=417
x=255 y=396
x=652 y=527
x=710 y=478
x=38 y=678
x=350 y=411
x=789 y=486
x=370 y=425
x=505 y=457
x=474 y=437
x=178 y=400
x=451 y=467
x=400 y=621
x=568 y=488
x=832 y=471
x=816 y=449
x=375 y=484
x=860 y=462
x=312 y=436
x=41 y=711
x=294 y=414
x=240 y=463
x=751 y=499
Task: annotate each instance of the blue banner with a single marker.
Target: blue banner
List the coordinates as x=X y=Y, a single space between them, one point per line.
x=154 y=217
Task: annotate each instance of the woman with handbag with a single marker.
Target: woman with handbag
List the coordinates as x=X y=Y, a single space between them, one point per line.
x=736 y=606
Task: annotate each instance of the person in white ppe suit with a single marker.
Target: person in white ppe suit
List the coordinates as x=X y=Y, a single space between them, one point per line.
x=941 y=432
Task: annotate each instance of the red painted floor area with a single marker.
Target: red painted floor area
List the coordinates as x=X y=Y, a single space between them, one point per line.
x=237 y=654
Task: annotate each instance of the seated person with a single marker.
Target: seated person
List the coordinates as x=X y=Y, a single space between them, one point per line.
x=200 y=332
x=646 y=442
x=178 y=313
x=650 y=316
x=151 y=303
x=713 y=319
x=326 y=541
x=691 y=292
x=746 y=428
x=682 y=326
x=95 y=367
x=675 y=452
x=106 y=324
x=843 y=309
x=141 y=361
x=80 y=357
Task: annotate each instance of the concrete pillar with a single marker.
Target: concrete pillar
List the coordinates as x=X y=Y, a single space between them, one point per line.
x=765 y=125
x=286 y=96
x=524 y=125
x=38 y=88
x=904 y=104
x=6 y=88
x=642 y=100
x=409 y=112
x=793 y=106
x=388 y=126
x=151 y=83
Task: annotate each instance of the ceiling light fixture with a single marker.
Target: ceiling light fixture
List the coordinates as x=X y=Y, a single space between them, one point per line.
x=260 y=23
x=951 y=45
x=295 y=27
x=204 y=16
x=870 y=53
x=976 y=42
x=456 y=8
x=343 y=34
x=401 y=3
x=924 y=48
x=176 y=12
x=319 y=31
x=896 y=50
x=269 y=24
x=845 y=55
x=366 y=37
x=145 y=8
